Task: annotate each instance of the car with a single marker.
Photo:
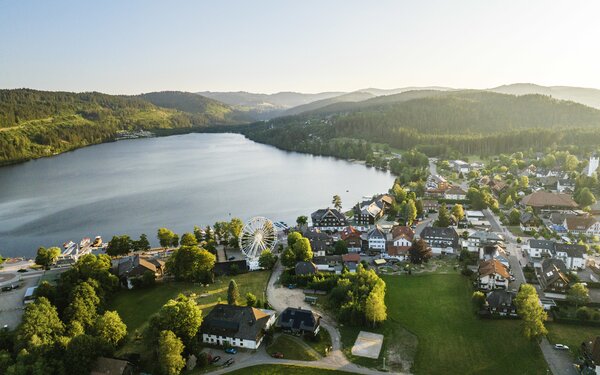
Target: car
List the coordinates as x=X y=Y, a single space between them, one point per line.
x=277 y=355
x=229 y=362
x=561 y=347
x=231 y=258
x=21 y=270
x=292 y=286
x=7 y=288
x=231 y=350
x=215 y=359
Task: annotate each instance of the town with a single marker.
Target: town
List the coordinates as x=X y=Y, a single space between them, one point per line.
x=508 y=246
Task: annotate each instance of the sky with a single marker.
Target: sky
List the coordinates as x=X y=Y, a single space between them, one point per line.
x=135 y=46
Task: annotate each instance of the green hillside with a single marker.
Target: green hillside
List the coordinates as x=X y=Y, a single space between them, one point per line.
x=460 y=122
x=35 y=123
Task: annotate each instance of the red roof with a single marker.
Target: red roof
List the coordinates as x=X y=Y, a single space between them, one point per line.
x=404 y=231
x=397 y=250
x=351 y=257
x=349 y=232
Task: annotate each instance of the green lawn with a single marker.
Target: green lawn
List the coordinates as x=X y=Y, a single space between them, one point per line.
x=516 y=230
x=292 y=348
x=571 y=335
x=285 y=369
x=324 y=343
x=451 y=339
x=137 y=306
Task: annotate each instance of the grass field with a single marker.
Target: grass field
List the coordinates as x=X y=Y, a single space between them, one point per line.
x=284 y=369
x=571 y=335
x=292 y=348
x=451 y=339
x=137 y=306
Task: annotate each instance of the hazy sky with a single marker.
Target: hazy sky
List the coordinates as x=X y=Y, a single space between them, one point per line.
x=126 y=46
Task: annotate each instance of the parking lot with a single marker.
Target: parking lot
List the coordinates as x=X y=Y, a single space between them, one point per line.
x=11 y=303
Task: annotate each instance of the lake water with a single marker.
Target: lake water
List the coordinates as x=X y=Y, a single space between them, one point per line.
x=136 y=186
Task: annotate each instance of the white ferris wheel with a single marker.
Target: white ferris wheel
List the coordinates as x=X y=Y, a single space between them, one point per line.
x=258 y=235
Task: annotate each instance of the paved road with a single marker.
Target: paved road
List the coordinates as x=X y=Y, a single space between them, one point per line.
x=559 y=361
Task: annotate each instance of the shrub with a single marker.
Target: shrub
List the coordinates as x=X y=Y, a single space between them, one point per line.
x=583 y=313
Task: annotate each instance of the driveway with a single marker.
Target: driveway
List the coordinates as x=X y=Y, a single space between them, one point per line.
x=559 y=361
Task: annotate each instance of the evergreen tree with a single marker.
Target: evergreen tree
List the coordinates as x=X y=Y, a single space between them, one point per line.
x=233 y=293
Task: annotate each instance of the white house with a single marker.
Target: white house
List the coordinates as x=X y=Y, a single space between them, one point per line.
x=493 y=275
x=587 y=225
x=481 y=238
x=574 y=256
x=592 y=166
x=455 y=193
x=377 y=239
x=239 y=326
x=461 y=166
x=539 y=248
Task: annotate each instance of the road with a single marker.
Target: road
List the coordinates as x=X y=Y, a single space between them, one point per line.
x=280 y=298
x=559 y=361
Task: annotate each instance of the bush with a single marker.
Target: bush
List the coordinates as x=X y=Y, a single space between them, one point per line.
x=583 y=313
x=467 y=272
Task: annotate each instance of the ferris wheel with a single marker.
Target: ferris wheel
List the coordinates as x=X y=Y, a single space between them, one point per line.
x=258 y=235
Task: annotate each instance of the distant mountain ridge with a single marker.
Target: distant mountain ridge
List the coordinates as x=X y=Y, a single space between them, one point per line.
x=582 y=95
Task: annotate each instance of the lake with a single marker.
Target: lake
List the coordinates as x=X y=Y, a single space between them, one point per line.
x=136 y=186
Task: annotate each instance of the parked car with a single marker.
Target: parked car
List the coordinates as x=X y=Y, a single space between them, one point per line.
x=21 y=270
x=231 y=350
x=229 y=362
x=215 y=359
x=7 y=288
x=277 y=355
x=561 y=347
x=231 y=258
x=292 y=286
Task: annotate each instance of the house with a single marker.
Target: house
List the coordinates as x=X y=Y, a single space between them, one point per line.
x=565 y=186
x=553 y=279
x=299 y=321
x=543 y=200
x=592 y=166
x=441 y=240
x=587 y=225
x=489 y=252
x=377 y=239
x=496 y=186
x=476 y=218
x=320 y=242
x=573 y=255
x=112 y=366
x=330 y=263
x=528 y=221
x=501 y=302
x=240 y=326
x=329 y=219
x=430 y=205
x=493 y=275
x=455 y=193
x=368 y=212
x=351 y=261
x=479 y=239
x=460 y=166
x=134 y=267
x=539 y=248
x=401 y=235
x=352 y=237
x=305 y=268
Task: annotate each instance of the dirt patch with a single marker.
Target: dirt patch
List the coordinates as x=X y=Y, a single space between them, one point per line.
x=367 y=345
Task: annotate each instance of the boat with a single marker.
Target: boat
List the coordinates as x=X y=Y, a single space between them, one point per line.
x=97 y=242
x=85 y=242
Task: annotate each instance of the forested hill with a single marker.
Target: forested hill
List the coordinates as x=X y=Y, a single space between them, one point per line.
x=40 y=123
x=461 y=122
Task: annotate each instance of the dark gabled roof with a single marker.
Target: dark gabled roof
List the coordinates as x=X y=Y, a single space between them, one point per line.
x=299 y=319
x=499 y=298
x=485 y=236
x=318 y=215
x=241 y=322
x=439 y=232
x=305 y=268
x=572 y=250
x=133 y=266
x=455 y=190
x=376 y=232
x=551 y=263
x=110 y=366
x=329 y=259
x=553 y=270
x=526 y=217
x=542 y=244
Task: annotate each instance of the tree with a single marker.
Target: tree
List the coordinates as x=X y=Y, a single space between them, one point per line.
x=182 y=316
x=302 y=222
x=532 y=313
x=110 y=328
x=188 y=239
x=583 y=313
x=375 y=309
x=165 y=237
x=514 y=217
x=46 y=257
x=410 y=211
x=458 y=212
x=293 y=237
x=40 y=327
x=399 y=193
x=175 y=240
x=142 y=244
x=82 y=352
x=119 y=245
x=478 y=298
x=191 y=263
x=303 y=250
x=419 y=252
x=585 y=198
x=84 y=302
x=524 y=182
x=578 y=294
x=571 y=162
x=443 y=217
x=340 y=247
x=233 y=293
x=288 y=258
x=235 y=230
x=337 y=202
x=170 y=347
x=267 y=259
x=508 y=202
x=199 y=234
x=250 y=299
